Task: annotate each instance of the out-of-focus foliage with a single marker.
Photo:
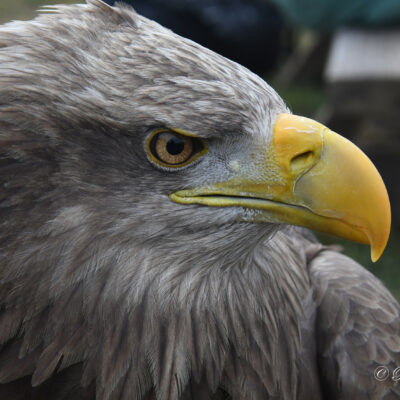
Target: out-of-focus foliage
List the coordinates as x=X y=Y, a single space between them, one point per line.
x=302 y=99
x=25 y=9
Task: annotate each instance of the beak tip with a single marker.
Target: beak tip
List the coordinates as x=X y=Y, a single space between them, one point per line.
x=377 y=248
x=375 y=255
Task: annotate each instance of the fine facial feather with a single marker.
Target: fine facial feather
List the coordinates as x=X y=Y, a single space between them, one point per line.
x=107 y=287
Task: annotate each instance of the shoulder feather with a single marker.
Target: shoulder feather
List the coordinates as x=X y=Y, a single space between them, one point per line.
x=358 y=329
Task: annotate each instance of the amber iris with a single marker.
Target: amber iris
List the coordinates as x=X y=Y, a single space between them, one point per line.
x=172 y=148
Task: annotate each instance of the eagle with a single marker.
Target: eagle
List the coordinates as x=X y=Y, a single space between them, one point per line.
x=155 y=200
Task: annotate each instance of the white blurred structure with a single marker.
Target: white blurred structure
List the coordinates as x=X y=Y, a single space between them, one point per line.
x=358 y=54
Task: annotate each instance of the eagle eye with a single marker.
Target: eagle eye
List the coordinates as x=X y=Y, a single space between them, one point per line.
x=173 y=150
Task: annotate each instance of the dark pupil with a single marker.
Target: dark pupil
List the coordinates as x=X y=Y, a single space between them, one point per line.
x=175 y=146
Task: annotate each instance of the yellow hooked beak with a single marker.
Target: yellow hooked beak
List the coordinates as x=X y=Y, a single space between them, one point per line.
x=310 y=177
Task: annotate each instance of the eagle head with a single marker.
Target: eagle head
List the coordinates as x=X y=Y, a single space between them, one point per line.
x=146 y=188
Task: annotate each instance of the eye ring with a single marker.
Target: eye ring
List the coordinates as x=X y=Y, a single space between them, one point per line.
x=173 y=149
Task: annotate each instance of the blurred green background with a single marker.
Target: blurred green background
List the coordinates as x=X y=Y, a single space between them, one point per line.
x=303 y=99
x=24 y=9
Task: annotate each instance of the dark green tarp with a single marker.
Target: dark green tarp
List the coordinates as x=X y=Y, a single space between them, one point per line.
x=326 y=15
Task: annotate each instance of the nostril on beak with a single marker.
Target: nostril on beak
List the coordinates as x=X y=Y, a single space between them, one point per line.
x=302 y=161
